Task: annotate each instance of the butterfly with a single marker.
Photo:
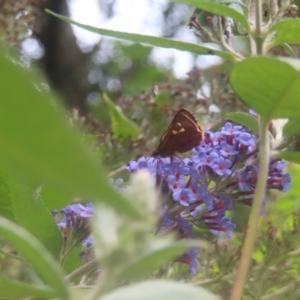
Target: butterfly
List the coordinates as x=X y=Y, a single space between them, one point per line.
x=183 y=134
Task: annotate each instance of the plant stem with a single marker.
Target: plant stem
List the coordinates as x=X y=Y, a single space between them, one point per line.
x=264 y=154
x=259 y=40
x=223 y=43
x=264 y=150
x=90 y=266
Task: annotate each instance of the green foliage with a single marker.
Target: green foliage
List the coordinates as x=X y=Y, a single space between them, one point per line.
x=217 y=7
x=39 y=145
x=292 y=127
x=31 y=213
x=151 y=40
x=151 y=259
x=277 y=96
x=244 y=119
x=5 y=203
x=45 y=163
x=37 y=255
x=122 y=127
x=287 y=31
x=12 y=289
x=290 y=156
x=158 y=290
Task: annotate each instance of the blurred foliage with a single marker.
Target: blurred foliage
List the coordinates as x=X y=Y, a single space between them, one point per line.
x=149 y=96
x=133 y=81
x=19 y=20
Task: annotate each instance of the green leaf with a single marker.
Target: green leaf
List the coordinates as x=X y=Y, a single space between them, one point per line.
x=244 y=119
x=287 y=31
x=151 y=40
x=289 y=50
x=157 y=289
x=31 y=214
x=18 y=290
x=5 y=201
x=73 y=260
x=54 y=198
x=122 y=127
x=38 y=143
x=291 y=156
x=36 y=254
x=292 y=127
x=161 y=251
x=218 y=9
x=197 y=10
x=268 y=85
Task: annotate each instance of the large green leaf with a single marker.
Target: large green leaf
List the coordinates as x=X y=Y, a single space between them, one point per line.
x=287 y=31
x=122 y=127
x=159 y=252
x=36 y=254
x=151 y=40
x=218 y=9
x=244 y=119
x=73 y=260
x=291 y=156
x=17 y=290
x=31 y=214
x=157 y=289
x=5 y=201
x=292 y=127
x=38 y=143
x=268 y=85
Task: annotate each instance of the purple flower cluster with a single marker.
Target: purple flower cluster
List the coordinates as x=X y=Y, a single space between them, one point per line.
x=200 y=190
x=73 y=223
x=196 y=191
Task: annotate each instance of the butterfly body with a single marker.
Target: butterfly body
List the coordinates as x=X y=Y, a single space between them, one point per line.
x=183 y=134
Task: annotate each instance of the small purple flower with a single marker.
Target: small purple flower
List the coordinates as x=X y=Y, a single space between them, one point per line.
x=243 y=183
x=209 y=159
x=253 y=113
x=184 y=196
x=226 y=203
x=229 y=129
x=190 y=257
x=286 y=182
x=132 y=166
x=208 y=199
x=222 y=166
x=81 y=210
x=277 y=165
x=62 y=223
x=197 y=211
x=185 y=226
x=225 y=225
x=141 y=163
x=227 y=150
x=246 y=139
x=89 y=242
x=282 y=183
x=175 y=184
x=203 y=148
x=117 y=184
x=74 y=223
x=216 y=138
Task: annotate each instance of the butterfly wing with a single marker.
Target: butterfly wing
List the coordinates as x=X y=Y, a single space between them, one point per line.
x=183 y=134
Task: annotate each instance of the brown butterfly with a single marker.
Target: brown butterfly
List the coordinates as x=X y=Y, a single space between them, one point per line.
x=183 y=134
